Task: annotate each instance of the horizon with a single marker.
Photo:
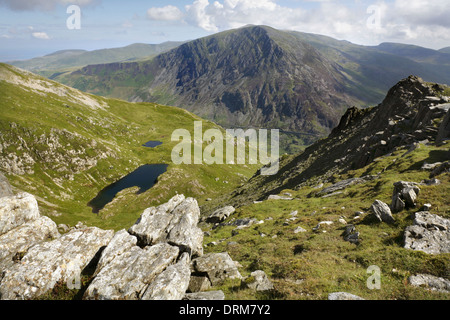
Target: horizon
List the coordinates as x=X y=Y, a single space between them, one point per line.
x=38 y=28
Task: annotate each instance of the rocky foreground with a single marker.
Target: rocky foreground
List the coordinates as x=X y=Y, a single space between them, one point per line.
x=160 y=257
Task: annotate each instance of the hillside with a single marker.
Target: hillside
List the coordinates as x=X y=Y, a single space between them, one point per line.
x=65 y=146
x=59 y=62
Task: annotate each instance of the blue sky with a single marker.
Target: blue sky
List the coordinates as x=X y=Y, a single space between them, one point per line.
x=30 y=28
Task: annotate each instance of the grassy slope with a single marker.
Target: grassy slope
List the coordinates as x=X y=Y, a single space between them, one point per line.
x=322 y=262
x=113 y=137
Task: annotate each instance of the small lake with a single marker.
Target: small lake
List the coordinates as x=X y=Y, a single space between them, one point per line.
x=152 y=144
x=143 y=177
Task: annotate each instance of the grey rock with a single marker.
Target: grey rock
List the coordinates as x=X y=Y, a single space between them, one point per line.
x=20 y=239
x=382 y=212
x=210 y=295
x=299 y=229
x=172 y=283
x=217 y=266
x=430 y=282
x=16 y=210
x=221 y=214
x=258 y=281
x=343 y=185
x=125 y=270
x=343 y=296
x=277 y=197
x=199 y=283
x=444 y=129
x=174 y=222
x=5 y=187
x=48 y=263
x=429 y=233
x=350 y=234
x=445 y=167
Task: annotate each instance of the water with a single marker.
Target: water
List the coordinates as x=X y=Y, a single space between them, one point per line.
x=152 y=144
x=143 y=177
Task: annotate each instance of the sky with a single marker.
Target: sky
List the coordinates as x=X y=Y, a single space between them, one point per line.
x=31 y=28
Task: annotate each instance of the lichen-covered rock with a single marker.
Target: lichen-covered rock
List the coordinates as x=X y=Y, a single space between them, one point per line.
x=430 y=282
x=220 y=214
x=382 y=212
x=16 y=210
x=209 y=295
x=258 y=281
x=429 y=233
x=48 y=263
x=125 y=270
x=217 y=266
x=17 y=241
x=343 y=296
x=172 y=283
x=174 y=222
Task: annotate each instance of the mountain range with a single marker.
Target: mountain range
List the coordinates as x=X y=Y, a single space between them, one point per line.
x=257 y=76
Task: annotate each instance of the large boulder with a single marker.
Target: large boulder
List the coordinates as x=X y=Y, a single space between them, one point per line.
x=125 y=270
x=221 y=214
x=48 y=263
x=382 y=212
x=404 y=196
x=174 y=222
x=429 y=233
x=430 y=282
x=172 y=283
x=258 y=281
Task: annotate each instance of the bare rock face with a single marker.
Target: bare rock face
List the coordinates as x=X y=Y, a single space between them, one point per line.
x=430 y=233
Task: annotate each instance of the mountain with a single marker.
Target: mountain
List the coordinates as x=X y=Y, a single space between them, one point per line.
x=257 y=76
x=65 y=146
x=254 y=76
x=410 y=113
x=445 y=50
x=67 y=59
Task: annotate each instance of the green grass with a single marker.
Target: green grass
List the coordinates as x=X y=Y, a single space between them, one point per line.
x=322 y=262
x=55 y=129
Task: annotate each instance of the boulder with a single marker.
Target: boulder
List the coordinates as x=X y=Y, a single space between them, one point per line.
x=444 y=129
x=48 y=263
x=199 y=283
x=430 y=282
x=16 y=210
x=174 y=222
x=221 y=214
x=258 y=281
x=350 y=234
x=172 y=283
x=217 y=266
x=125 y=270
x=404 y=196
x=429 y=233
x=382 y=212
x=19 y=240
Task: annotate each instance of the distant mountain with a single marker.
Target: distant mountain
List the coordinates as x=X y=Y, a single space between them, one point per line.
x=66 y=59
x=257 y=76
x=445 y=50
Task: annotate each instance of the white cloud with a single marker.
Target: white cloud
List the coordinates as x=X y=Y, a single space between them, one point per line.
x=167 y=13
x=40 y=35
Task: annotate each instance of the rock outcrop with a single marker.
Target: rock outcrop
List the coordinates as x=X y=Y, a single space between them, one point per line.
x=158 y=258
x=382 y=212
